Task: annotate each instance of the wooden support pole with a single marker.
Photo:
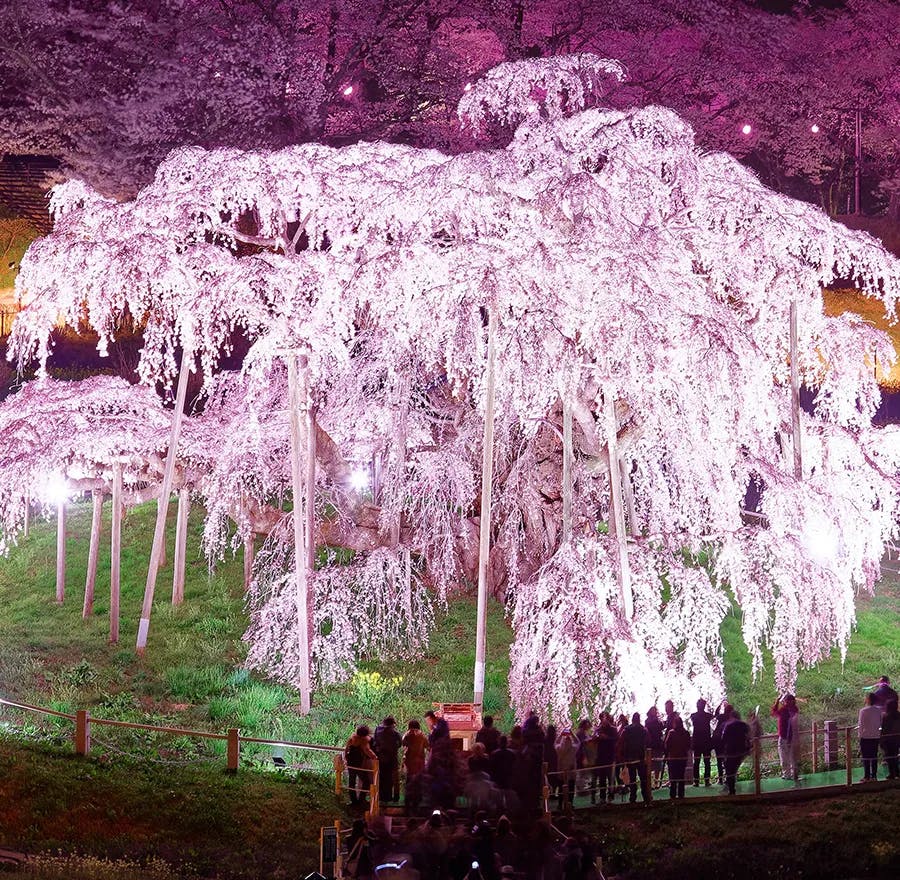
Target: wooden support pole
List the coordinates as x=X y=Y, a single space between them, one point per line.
x=159 y=534
x=27 y=525
x=617 y=518
x=648 y=769
x=233 y=750
x=298 y=379
x=93 y=553
x=162 y=502
x=180 y=561
x=248 y=559
x=484 y=535
x=849 y=755
x=628 y=492
x=115 y=554
x=309 y=492
x=82 y=732
x=567 y=477
x=61 y=552
x=795 y=395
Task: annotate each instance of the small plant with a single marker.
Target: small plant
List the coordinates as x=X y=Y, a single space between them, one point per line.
x=373 y=690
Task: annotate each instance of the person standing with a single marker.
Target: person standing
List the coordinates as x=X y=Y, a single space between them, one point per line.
x=890 y=738
x=655 y=742
x=869 y=727
x=414 y=745
x=883 y=692
x=677 y=745
x=606 y=757
x=701 y=740
x=387 y=744
x=787 y=713
x=359 y=757
x=566 y=763
x=735 y=747
x=634 y=748
x=488 y=735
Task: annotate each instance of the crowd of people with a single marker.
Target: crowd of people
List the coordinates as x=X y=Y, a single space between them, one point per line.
x=447 y=846
x=510 y=773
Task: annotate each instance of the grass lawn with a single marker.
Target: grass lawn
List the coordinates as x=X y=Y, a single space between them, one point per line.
x=191 y=674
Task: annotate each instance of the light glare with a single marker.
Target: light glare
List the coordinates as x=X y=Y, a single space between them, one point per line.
x=348 y=91
x=747 y=128
x=359 y=479
x=56 y=490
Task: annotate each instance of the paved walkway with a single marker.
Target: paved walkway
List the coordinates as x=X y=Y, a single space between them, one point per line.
x=770 y=785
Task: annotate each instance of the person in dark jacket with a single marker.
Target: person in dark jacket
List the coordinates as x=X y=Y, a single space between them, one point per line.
x=501 y=763
x=883 y=693
x=735 y=747
x=387 y=744
x=890 y=738
x=655 y=735
x=678 y=743
x=701 y=740
x=488 y=735
x=606 y=758
x=634 y=747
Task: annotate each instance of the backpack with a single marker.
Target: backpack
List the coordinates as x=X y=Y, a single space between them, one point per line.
x=355 y=756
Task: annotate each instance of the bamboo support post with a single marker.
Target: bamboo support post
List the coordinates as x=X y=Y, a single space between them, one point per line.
x=795 y=394
x=159 y=534
x=617 y=511
x=233 y=750
x=848 y=748
x=484 y=532
x=295 y=392
x=82 y=732
x=757 y=774
x=61 y=552
x=115 y=555
x=180 y=561
x=93 y=553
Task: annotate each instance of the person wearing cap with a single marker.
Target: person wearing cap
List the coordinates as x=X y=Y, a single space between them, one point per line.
x=507 y=872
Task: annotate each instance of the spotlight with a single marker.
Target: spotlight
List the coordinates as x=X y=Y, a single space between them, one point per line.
x=348 y=91
x=747 y=128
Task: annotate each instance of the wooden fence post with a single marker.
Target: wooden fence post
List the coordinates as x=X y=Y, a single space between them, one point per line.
x=339 y=859
x=757 y=776
x=849 y=756
x=82 y=732
x=815 y=747
x=234 y=750
x=338 y=773
x=374 y=787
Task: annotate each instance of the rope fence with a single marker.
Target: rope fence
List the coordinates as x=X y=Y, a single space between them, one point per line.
x=822 y=756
